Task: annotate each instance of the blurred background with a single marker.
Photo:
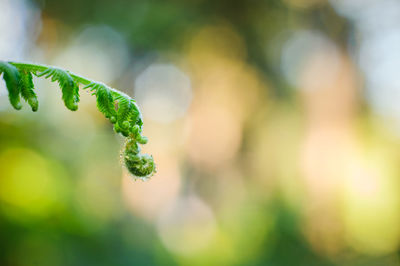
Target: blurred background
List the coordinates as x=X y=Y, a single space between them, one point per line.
x=275 y=125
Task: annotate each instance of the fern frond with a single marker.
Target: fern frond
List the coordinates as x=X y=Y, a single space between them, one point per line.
x=69 y=88
x=118 y=107
x=105 y=100
x=123 y=111
x=13 y=80
x=27 y=92
x=134 y=114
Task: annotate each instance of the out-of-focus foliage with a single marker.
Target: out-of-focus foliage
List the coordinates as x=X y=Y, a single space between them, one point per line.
x=274 y=125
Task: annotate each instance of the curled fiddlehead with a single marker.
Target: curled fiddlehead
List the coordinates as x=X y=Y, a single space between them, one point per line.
x=140 y=165
x=118 y=107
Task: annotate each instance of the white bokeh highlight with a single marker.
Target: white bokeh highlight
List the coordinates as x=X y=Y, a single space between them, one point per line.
x=164 y=92
x=19 y=24
x=306 y=47
x=19 y=27
x=97 y=52
x=187 y=226
x=377 y=50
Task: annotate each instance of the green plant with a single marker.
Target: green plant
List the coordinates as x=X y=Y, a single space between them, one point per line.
x=118 y=107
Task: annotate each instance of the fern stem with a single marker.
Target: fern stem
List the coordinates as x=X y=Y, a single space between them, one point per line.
x=41 y=67
x=83 y=80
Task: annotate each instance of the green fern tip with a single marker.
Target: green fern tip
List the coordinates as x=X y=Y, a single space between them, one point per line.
x=116 y=106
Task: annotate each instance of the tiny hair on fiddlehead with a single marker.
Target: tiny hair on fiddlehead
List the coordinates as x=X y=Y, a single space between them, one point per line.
x=118 y=107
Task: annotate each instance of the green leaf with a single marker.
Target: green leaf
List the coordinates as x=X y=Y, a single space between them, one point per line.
x=12 y=78
x=134 y=114
x=69 y=88
x=124 y=109
x=27 y=92
x=105 y=100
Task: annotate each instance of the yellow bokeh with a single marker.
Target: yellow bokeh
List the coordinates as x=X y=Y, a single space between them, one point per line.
x=29 y=184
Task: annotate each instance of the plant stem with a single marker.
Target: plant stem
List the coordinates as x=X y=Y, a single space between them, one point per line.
x=41 y=67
